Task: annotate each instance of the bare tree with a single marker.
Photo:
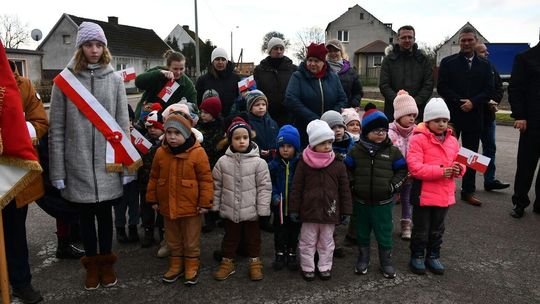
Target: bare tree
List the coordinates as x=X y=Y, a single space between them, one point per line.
x=269 y=35
x=12 y=31
x=304 y=38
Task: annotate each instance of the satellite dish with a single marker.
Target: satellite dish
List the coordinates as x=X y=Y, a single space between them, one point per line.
x=36 y=34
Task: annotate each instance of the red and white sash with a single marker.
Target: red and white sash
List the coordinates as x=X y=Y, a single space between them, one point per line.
x=120 y=151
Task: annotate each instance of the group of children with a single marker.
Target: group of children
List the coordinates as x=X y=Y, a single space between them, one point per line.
x=352 y=172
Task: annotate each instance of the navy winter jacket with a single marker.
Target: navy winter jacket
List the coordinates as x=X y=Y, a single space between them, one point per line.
x=266 y=130
x=282 y=174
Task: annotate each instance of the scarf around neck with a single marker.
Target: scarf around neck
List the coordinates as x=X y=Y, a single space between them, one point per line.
x=336 y=65
x=318 y=160
x=369 y=145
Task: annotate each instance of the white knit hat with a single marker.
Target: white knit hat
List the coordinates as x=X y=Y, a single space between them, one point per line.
x=333 y=118
x=219 y=52
x=436 y=108
x=318 y=131
x=89 y=31
x=275 y=41
x=404 y=104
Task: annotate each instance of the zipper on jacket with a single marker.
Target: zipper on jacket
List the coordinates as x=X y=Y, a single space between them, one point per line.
x=322 y=96
x=371 y=181
x=93 y=141
x=286 y=189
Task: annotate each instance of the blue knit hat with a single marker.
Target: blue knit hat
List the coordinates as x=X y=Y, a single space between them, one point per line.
x=288 y=135
x=373 y=119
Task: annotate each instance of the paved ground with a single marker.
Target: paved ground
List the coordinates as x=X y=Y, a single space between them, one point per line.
x=490 y=258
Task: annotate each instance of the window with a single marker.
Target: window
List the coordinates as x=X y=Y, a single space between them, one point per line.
x=121 y=66
x=343 y=36
x=376 y=61
x=21 y=66
x=66 y=39
x=361 y=16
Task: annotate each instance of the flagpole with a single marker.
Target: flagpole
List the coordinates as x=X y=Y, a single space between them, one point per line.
x=4 y=284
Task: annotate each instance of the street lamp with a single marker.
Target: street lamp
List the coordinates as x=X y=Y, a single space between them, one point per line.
x=232 y=57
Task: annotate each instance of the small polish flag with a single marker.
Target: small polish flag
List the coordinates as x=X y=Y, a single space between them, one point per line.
x=473 y=160
x=168 y=90
x=127 y=74
x=140 y=142
x=246 y=83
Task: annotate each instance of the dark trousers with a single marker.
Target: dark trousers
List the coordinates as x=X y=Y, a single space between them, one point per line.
x=428 y=230
x=527 y=161
x=286 y=234
x=247 y=231
x=16 y=246
x=129 y=202
x=489 y=148
x=150 y=217
x=470 y=139
x=89 y=213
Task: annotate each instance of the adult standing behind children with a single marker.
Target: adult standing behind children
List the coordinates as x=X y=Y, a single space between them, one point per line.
x=156 y=78
x=79 y=165
x=272 y=77
x=313 y=89
x=222 y=78
x=338 y=60
x=405 y=67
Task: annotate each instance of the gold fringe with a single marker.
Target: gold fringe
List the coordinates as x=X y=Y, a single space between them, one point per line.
x=135 y=166
x=114 y=168
x=21 y=163
x=35 y=141
x=26 y=180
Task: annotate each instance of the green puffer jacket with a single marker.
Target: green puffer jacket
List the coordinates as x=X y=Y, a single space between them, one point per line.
x=376 y=178
x=153 y=81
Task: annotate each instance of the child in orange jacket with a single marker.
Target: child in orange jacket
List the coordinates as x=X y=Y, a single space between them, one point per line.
x=181 y=187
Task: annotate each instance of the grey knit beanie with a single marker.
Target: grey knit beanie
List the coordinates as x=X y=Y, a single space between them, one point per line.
x=333 y=118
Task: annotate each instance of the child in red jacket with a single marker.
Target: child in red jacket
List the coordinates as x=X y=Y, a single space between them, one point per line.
x=431 y=161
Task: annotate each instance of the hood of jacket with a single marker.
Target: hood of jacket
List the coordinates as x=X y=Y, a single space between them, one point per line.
x=346 y=67
x=422 y=128
x=102 y=71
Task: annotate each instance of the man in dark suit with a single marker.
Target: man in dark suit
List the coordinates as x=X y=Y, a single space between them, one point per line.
x=466 y=84
x=489 y=147
x=524 y=97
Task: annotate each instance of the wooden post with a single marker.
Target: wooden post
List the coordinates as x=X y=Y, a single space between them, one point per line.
x=4 y=284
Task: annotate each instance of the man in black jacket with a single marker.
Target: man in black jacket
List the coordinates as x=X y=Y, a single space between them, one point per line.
x=524 y=97
x=489 y=147
x=405 y=67
x=466 y=84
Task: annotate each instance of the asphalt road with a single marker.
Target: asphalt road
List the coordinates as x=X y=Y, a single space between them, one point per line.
x=490 y=258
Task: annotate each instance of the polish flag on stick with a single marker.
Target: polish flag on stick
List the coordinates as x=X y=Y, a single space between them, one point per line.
x=246 y=83
x=473 y=160
x=168 y=90
x=140 y=142
x=127 y=74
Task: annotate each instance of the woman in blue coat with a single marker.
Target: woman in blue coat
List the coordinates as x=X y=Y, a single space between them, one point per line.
x=313 y=89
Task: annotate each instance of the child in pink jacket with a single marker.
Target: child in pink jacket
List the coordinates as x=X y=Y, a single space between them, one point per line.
x=400 y=132
x=431 y=161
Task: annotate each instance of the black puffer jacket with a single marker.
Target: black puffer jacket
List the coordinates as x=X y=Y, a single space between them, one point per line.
x=273 y=82
x=350 y=81
x=225 y=83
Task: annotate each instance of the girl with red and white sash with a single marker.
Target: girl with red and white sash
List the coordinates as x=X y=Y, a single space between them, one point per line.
x=88 y=150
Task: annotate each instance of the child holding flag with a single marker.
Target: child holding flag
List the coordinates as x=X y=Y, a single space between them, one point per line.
x=431 y=161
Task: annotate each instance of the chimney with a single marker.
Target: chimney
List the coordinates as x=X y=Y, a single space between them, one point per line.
x=185 y=27
x=113 y=20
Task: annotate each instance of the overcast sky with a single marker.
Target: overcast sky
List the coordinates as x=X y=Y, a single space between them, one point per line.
x=497 y=20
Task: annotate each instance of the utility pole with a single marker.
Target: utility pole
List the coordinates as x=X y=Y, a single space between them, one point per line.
x=197 y=55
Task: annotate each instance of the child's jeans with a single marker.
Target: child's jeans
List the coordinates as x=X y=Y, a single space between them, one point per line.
x=316 y=237
x=183 y=236
x=405 y=199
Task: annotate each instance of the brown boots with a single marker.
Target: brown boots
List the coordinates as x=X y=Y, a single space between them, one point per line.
x=176 y=269
x=226 y=268
x=191 y=277
x=99 y=269
x=255 y=269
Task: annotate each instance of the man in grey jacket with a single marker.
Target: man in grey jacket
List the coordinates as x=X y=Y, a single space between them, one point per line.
x=405 y=67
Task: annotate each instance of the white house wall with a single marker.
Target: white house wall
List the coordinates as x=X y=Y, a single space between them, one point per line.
x=56 y=54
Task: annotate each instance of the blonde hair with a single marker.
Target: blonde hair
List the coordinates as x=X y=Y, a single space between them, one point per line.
x=81 y=63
